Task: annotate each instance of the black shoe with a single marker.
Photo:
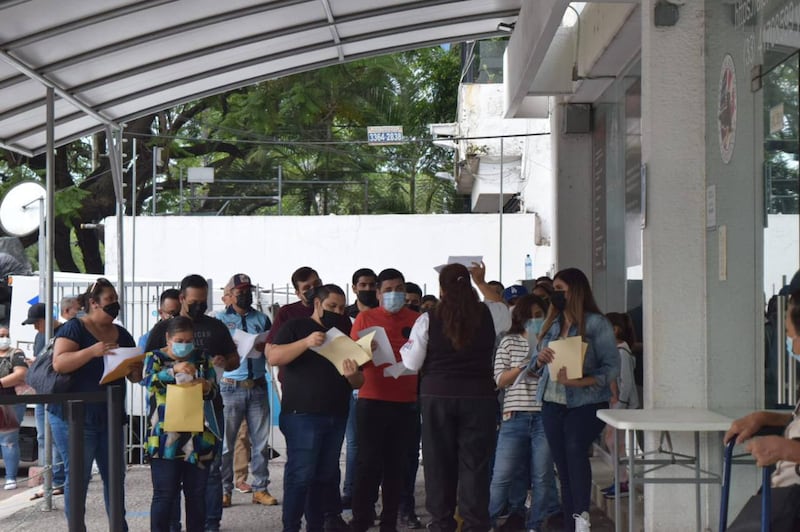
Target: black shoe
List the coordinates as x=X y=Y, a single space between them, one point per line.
x=514 y=523
x=411 y=521
x=335 y=523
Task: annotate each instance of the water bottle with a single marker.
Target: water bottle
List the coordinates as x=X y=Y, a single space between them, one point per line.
x=528 y=267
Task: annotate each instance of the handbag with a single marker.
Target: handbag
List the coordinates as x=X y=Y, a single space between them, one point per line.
x=43 y=378
x=8 y=419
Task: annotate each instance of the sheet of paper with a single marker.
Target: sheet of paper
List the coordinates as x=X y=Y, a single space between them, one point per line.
x=183 y=410
x=339 y=347
x=383 y=353
x=397 y=370
x=526 y=376
x=569 y=353
x=118 y=365
x=465 y=260
x=246 y=342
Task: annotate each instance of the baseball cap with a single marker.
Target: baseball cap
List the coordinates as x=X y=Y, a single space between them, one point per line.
x=240 y=280
x=514 y=291
x=35 y=313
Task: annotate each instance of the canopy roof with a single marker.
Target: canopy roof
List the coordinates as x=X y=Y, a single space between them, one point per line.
x=110 y=61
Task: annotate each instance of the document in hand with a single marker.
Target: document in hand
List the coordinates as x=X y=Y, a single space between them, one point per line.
x=568 y=353
x=397 y=370
x=465 y=260
x=245 y=343
x=383 y=353
x=339 y=347
x=118 y=365
x=183 y=410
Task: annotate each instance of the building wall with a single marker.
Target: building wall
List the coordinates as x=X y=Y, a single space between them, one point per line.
x=270 y=248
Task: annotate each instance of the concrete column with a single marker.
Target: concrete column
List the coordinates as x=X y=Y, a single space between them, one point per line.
x=572 y=233
x=674 y=254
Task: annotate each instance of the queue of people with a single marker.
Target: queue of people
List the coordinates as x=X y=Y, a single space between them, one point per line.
x=455 y=352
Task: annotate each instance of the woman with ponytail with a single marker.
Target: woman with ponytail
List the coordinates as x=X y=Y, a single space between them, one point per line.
x=569 y=406
x=452 y=347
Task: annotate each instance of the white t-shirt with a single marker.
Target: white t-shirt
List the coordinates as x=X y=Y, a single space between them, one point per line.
x=788 y=473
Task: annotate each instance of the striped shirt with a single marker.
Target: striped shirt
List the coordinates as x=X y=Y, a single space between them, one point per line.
x=513 y=352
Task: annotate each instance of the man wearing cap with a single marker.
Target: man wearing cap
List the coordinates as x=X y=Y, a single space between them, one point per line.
x=244 y=394
x=36 y=317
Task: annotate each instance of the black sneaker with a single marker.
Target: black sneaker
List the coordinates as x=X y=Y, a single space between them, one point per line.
x=335 y=523
x=411 y=521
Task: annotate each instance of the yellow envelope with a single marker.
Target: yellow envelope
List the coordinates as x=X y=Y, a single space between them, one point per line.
x=183 y=411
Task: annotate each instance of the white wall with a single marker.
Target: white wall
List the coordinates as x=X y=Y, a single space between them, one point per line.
x=781 y=251
x=270 y=248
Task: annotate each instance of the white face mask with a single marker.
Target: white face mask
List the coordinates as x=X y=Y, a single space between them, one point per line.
x=5 y=343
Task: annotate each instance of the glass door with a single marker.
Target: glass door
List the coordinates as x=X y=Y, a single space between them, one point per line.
x=782 y=217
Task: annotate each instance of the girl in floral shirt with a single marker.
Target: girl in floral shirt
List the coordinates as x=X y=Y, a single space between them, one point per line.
x=178 y=459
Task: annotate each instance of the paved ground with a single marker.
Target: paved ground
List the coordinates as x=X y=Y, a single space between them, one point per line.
x=19 y=514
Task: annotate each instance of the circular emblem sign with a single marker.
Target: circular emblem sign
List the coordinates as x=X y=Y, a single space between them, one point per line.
x=726 y=117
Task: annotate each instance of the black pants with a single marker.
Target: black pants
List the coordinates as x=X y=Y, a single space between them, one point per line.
x=458 y=439
x=383 y=430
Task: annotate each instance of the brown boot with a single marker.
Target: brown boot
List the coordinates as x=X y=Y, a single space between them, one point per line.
x=226 y=500
x=263 y=497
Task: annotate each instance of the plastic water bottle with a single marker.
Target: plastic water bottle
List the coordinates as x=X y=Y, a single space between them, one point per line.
x=528 y=267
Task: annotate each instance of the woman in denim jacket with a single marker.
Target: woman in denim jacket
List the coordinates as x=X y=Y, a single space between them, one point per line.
x=569 y=406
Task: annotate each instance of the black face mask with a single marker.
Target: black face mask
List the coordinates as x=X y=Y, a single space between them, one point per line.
x=308 y=295
x=559 y=300
x=112 y=309
x=244 y=300
x=196 y=310
x=330 y=319
x=415 y=308
x=368 y=298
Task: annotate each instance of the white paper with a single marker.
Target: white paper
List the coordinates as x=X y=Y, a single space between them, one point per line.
x=382 y=353
x=119 y=356
x=465 y=260
x=397 y=370
x=245 y=343
x=526 y=377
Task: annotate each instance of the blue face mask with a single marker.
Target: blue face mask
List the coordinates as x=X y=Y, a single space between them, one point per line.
x=534 y=326
x=393 y=301
x=182 y=350
x=789 y=351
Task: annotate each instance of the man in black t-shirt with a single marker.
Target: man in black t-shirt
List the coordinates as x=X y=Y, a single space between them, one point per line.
x=213 y=338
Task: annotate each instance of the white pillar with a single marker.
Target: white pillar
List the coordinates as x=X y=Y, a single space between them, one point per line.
x=674 y=253
x=572 y=232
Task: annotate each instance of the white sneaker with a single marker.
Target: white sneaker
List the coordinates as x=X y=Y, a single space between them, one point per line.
x=10 y=485
x=582 y=522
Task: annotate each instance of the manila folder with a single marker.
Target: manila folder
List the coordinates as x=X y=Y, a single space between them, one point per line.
x=568 y=353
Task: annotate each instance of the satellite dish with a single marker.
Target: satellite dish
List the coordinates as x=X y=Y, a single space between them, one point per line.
x=20 y=210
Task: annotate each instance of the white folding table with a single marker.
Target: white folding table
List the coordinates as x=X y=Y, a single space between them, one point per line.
x=663 y=420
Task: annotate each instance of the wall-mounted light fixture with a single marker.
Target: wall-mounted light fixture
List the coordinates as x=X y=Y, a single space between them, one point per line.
x=666 y=14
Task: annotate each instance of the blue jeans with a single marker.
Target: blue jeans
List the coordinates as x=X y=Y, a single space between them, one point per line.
x=522 y=439
x=168 y=476
x=213 y=492
x=58 y=462
x=570 y=432
x=95 y=448
x=313 y=444
x=352 y=448
x=251 y=405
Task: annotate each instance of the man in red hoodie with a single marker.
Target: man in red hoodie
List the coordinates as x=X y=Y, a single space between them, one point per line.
x=386 y=411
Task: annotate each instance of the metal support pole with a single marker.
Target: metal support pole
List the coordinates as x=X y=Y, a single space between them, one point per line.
x=133 y=227
x=500 y=206
x=49 y=218
x=180 y=191
x=77 y=480
x=116 y=467
x=366 y=195
x=155 y=169
x=280 y=190
x=781 y=349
